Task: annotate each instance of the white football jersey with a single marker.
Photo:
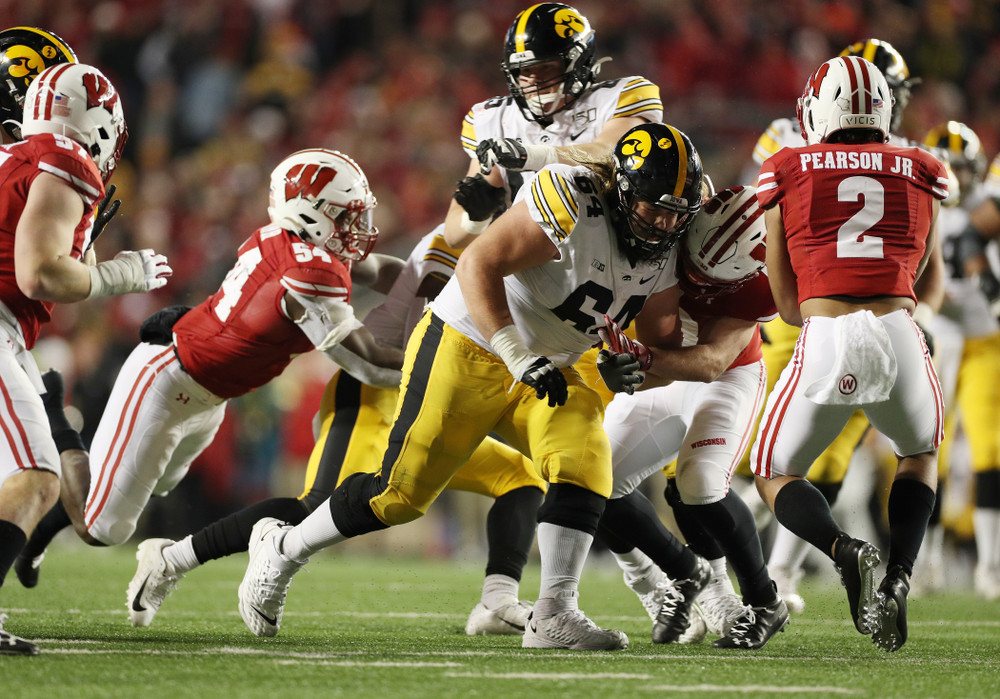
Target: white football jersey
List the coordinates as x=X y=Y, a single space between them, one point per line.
x=581 y=122
x=392 y=321
x=559 y=305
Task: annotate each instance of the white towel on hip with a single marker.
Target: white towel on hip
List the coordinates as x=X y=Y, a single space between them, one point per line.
x=864 y=365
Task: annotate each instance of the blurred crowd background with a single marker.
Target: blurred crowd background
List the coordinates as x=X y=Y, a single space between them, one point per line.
x=217 y=92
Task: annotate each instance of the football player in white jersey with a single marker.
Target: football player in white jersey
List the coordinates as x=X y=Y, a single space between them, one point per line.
x=494 y=353
x=968 y=335
x=788 y=551
x=556 y=112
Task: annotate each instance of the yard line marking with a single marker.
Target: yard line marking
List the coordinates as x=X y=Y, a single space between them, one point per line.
x=632 y=676
x=363 y=663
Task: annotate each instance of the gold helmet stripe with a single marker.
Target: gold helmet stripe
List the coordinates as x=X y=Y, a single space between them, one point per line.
x=522 y=22
x=66 y=51
x=682 y=160
x=869 y=53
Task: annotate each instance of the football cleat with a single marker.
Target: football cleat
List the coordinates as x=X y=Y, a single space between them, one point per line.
x=571 y=630
x=14 y=645
x=265 y=585
x=719 y=605
x=856 y=561
x=756 y=627
x=649 y=588
x=787 y=581
x=675 y=612
x=153 y=581
x=508 y=620
x=891 y=632
x=27 y=569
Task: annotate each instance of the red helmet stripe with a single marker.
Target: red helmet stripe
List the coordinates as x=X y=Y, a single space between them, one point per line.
x=43 y=107
x=724 y=227
x=731 y=240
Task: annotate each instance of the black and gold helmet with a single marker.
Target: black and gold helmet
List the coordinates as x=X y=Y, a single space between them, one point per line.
x=24 y=53
x=890 y=61
x=962 y=145
x=659 y=165
x=546 y=32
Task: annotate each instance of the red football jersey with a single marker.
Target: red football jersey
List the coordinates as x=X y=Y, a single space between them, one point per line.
x=856 y=216
x=239 y=338
x=752 y=301
x=20 y=164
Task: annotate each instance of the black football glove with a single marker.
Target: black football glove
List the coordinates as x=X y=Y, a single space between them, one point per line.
x=505 y=152
x=106 y=211
x=158 y=328
x=989 y=285
x=621 y=372
x=479 y=198
x=545 y=377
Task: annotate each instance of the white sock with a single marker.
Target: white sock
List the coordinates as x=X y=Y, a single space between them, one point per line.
x=499 y=590
x=987 y=525
x=788 y=551
x=180 y=556
x=563 y=552
x=635 y=564
x=316 y=532
x=719 y=568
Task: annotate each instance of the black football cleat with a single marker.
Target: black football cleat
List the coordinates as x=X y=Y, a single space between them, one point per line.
x=756 y=627
x=675 y=611
x=891 y=633
x=856 y=561
x=14 y=645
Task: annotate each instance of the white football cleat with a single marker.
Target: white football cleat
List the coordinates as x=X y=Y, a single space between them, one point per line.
x=697 y=628
x=154 y=579
x=571 y=630
x=265 y=585
x=720 y=606
x=508 y=620
x=649 y=588
x=787 y=581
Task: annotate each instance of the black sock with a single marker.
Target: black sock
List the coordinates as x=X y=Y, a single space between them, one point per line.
x=731 y=523
x=53 y=522
x=53 y=400
x=910 y=506
x=12 y=540
x=633 y=518
x=803 y=510
x=830 y=491
x=988 y=490
x=696 y=536
x=936 y=512
x=510 y=531
x=231 y=534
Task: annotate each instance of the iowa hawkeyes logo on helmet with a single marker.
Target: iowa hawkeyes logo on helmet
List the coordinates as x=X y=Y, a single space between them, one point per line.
x=568 y=23
x=638 y=146
x=24 y=63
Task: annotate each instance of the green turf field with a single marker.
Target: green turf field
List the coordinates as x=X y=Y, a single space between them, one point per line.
x=378 y=627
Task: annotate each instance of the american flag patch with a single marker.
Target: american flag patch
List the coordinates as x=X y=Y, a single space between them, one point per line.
x=60 y=106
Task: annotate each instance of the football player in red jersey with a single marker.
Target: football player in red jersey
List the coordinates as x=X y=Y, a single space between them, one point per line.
x=288 y=293
x=701 y=411
x=850 y=226
x=73 y=131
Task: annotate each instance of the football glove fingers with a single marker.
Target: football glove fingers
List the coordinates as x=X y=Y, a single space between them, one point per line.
x=619 y=343
x=545 y=377
x=479 y=198
x=989 y=285
x=106 y=211
x=620 y=372
x=505 y=152
x=129 y=272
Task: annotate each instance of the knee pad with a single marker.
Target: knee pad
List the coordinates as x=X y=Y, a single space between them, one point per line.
x=571 y=506
x=702 y=483
x=349 y=504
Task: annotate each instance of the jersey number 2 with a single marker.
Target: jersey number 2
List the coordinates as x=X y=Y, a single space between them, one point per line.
x=851 y=238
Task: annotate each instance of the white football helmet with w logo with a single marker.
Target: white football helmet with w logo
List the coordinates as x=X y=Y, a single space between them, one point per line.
x=78 y=101
x=322 y=196
x=846 y=92
x=725 y=243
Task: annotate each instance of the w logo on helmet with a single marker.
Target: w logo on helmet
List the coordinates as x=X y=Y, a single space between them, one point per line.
x=816 y=80
x=568 y=23
x=307 y=180
x=100 y=93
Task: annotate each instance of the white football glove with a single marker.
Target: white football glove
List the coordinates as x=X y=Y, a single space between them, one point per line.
x=131 y=271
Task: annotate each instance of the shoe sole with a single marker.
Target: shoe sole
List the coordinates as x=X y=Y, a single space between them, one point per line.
x=532 y=641
x=888 y=637
x=868 y=600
